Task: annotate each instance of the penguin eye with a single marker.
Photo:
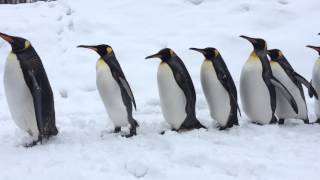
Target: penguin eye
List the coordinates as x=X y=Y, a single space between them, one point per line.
x=279 y=53
x=26 y=44
x=109 y=50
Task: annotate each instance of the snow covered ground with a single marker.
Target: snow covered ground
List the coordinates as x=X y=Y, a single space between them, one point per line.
x=136 y=29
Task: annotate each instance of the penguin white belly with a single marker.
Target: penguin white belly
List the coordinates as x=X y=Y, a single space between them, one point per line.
x=216 y=95
x=19 y=98
x=110 y=94
x=316 y=85
x=172 y=98
x=284 y=109
x=255 y=96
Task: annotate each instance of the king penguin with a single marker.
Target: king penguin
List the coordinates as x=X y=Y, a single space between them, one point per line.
x=316 y=81
x=257 y=86
x=28 y=91
x=219 y=88
x=285 y=73
x=114 y=89
x=177 y=93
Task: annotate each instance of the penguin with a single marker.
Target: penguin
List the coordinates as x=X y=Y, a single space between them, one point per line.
x=316 y=82
x=258 y=86
x=28 y=91
x=284 y=72
x=176 y=90
x=114 y=89
x=219 y=88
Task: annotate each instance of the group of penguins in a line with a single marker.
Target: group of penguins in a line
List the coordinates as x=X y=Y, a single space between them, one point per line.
x=271 y=90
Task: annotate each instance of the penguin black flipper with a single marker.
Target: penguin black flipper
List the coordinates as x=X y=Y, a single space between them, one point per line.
x=184 y=81
x=302 y=80
x=36 y=93
x=309 y=90
x=124 y=84
x=39 y=86
x=119 y=76
x=228 y=83
x=285 y=92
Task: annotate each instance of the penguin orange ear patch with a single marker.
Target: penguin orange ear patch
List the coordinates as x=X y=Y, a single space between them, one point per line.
x=26 y=44
x=109 y=50
x=171 y=52
x=216 y=52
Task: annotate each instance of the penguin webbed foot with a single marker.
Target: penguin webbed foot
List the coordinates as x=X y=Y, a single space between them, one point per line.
x=281 y=121
x=274 y=120
x=164 y=131
x=117 y=129
x=133 y=132
x=306 y=121
x=257 y=123
x=222 y=128
x=35 y=142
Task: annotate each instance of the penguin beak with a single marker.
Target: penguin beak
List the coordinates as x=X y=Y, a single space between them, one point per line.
x=154 y=56
x=7 y=38
x=252 y=40
x=199 y=50
x=88 y=47
x=315 y=48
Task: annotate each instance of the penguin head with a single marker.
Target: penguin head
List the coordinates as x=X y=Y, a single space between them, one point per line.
x=258 y=43
x=315 y=48
x=164 y=54
x=101 y=49
x=17 y=43
x=209 y=52
x=275 y=54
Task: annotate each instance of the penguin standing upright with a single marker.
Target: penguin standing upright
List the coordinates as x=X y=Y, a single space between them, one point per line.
x=316 y=81
x=257 y=86
x=114 y=89
x=219 y=88
x=177 y=93
x=28 y=91
x=284 y=72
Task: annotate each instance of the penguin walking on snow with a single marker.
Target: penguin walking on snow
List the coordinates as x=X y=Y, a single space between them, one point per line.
x=114 y=89
x=177 y=93
x=219 y=88
x=258 y=86
x=316 y=81
x=28 y=91
x=284 y=72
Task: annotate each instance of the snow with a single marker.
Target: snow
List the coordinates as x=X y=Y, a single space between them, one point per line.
x=84 y=149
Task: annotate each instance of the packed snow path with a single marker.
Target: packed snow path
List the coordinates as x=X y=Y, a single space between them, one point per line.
x=85 y=150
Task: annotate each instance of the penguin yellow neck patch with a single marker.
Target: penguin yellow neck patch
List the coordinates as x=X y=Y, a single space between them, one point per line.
x=101 y=63
x=12 y=56
x=253 y=57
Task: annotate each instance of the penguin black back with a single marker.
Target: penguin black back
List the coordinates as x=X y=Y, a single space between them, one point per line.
x=37 y=82
x=225 y=78
x=184 y=81
x=277 y=56
x=108 y=56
